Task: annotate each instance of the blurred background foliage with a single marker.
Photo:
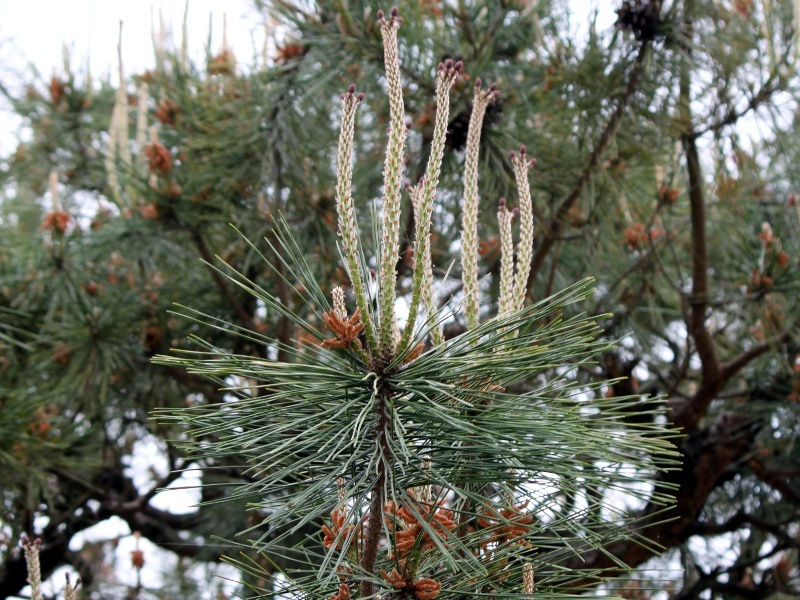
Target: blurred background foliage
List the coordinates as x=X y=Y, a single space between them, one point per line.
x=668 y=169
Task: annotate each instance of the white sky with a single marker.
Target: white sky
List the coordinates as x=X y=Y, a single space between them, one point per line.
x=39 y=28
x=35 y=31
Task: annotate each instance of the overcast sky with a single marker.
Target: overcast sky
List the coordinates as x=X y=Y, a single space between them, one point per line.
x=35 y=31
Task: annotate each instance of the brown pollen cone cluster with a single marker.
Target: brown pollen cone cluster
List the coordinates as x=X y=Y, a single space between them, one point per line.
x=338 y=530
x=506 y=526
x=410 y=533
x=343 y=594
x=423 y=589
x=167 y=111
x=637 y=235
x=224 y=63
x=56 y=221
x=415 y=353
x=345 y=330
x=159 y=159
x=57 y=90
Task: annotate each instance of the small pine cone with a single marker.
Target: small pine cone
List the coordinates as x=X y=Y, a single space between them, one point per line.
x=56 y=221
x=159 y=159
x=343 y=594
x=137 y=559
x=415 y=353
x=426 y=589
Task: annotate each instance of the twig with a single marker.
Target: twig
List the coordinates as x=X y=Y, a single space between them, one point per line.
x=736 y=364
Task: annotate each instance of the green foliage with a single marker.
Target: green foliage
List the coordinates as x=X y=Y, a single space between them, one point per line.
x=474 y=420
x=82 y=314
x=432 y=458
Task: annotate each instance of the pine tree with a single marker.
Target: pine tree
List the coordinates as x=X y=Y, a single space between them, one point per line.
x=429 y=458
x=651 y=177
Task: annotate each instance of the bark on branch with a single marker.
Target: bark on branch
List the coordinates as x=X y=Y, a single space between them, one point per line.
x=708 y=453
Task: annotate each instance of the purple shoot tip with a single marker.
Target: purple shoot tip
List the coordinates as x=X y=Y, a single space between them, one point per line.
x=380 y=15
x=478 y=84
x=515 y=212
x=351 y=88
x=409 y=125
x=459 y=66
x=394 y=12
x=360 y=96
x=512 y=154
x=532 y=162
x=501 y=203
x=493 y=87
x=523 y=150
x=448 y=64
x=407 y=185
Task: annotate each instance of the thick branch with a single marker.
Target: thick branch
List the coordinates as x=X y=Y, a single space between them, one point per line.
x=161 y=484
x=708 y=453
x=741 y=520
x=699 y=300
x=375 y=526
x=736 y=364
x=711 y=379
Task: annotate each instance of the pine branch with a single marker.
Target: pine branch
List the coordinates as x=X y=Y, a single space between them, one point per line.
x=554 y=228
x=219 y=281
x=383 y=454
x=737 y=363
x=700 y=293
